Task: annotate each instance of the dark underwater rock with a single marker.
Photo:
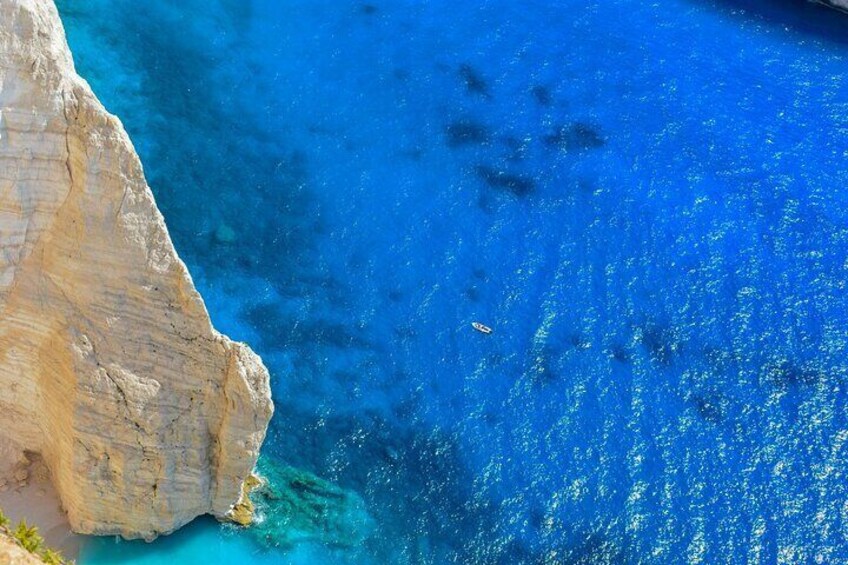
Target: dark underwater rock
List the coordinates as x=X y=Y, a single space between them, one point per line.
x=474 y=82
x=661 y=343
x=542 y=94
x=711 y=406
x=502 y=180
x=786 y=374
x=579 y=340
x=466 y=132
x=579 y=136
x=619 y=353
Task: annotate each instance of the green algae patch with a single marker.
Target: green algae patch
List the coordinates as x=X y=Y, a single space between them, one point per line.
x=295 y=506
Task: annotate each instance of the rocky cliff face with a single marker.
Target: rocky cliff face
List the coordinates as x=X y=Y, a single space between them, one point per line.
x=109 y=366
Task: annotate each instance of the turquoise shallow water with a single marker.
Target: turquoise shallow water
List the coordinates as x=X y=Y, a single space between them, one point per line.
x=644 y=200
x=204 y=541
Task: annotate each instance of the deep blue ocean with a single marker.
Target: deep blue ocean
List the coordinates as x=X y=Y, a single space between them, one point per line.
x=645 y=200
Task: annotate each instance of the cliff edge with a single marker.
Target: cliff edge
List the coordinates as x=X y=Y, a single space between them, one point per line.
x=109 y=366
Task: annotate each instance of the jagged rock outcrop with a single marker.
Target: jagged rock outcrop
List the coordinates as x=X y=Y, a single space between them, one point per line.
x=109 y=366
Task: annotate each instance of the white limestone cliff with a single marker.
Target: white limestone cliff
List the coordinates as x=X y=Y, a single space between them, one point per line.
x=109 y=366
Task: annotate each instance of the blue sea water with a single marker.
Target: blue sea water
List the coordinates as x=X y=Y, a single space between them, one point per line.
x=645 y=200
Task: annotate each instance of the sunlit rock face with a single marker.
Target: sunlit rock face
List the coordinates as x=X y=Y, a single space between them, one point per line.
x=109 y=366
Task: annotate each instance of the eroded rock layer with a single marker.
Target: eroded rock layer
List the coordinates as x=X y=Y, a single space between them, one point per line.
x=109 y=366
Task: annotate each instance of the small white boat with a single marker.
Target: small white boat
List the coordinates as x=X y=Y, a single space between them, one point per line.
x=482 y=328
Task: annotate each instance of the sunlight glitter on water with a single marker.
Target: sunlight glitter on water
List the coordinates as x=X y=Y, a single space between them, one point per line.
x=644 y=201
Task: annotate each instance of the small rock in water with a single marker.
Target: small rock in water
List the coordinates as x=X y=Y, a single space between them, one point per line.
x=21 y=475
x=225 y=234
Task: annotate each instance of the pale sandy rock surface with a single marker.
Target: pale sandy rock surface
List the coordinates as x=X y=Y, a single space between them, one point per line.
x=34 y=500
x=13 y=554
x=109 y=367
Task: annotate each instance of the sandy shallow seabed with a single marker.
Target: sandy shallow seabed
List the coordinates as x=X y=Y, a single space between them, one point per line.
x=26 y=493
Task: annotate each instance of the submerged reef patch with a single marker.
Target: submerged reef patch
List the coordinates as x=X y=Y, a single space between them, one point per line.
x=299 y=507
x=412 y=477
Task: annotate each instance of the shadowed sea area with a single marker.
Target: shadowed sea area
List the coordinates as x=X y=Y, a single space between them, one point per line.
x=646 y=201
